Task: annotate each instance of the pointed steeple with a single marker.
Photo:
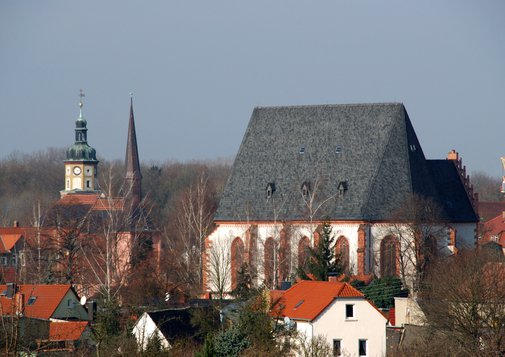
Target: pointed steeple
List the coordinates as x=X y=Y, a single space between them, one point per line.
x=133 y=178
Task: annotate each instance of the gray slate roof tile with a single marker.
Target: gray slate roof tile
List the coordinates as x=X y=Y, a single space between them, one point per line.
x=380 y=158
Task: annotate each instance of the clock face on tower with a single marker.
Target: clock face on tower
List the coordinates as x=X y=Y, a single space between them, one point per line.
x=77 y=170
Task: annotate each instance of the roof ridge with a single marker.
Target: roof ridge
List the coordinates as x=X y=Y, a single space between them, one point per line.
x=329 y=105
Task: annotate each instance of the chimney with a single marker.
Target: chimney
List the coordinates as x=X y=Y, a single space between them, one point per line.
x=19 y=303
x=15 y=224
x=452 y=155
x=332 y=277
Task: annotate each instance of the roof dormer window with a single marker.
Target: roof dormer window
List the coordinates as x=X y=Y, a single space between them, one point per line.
x=305 y=189
x=270 y=189
x=302 y=150
x=342 y=187
x=338 y=149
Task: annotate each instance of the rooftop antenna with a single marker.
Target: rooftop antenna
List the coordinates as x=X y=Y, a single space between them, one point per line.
x=503 y=177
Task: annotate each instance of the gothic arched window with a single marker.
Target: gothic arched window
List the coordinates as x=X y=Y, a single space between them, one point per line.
x=237 y=259
x=342 y=253
x=269 y=264
x=303 y=251
x=389 y=256
x=284 y=256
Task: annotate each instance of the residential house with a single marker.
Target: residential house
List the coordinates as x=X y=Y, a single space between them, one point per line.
x=59 y=301
x=353 y=166
x=163 y=326
x=12 y=253
x=46 y=317
x=351 y=325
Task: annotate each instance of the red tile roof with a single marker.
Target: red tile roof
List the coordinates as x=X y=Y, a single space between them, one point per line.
x=307 y=299
x=48 y=297
x=93 y=200
x=66 y=330
x=488 y=210
x=78 y=199
x=8 y=241
x=495 y=227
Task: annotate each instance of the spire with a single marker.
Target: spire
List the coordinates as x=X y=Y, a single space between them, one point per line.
x=133 y=176
x=81 y=151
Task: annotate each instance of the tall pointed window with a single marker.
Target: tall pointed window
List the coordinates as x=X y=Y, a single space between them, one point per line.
x=389 y=256
x=303 y=252
x=269 y=264
x=237 y=260
x=284 y=256
x=342 y=253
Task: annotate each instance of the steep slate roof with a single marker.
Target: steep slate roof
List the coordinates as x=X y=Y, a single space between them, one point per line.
x=380 y=159
x=306 y=300
x=452 y=196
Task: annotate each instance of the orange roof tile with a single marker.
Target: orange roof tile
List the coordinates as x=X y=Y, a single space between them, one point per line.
x=307 y=299
x=66 y=330
x=107 y=204
x=78 y=199
x=495 y=227
x=48 y=297
x=9 y=241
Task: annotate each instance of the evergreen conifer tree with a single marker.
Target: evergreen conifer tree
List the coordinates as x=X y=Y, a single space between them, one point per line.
x=322 y=260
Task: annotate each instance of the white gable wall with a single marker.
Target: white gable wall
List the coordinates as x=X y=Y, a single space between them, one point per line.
x=144 y=329
x=367 y=324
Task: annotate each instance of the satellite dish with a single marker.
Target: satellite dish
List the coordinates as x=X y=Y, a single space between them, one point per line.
x=83 y=300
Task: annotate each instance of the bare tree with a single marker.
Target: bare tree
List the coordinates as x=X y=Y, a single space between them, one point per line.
x=120 y=238
x=194 y=221
x=464 y=302
x=419 y=230
x=219 y=268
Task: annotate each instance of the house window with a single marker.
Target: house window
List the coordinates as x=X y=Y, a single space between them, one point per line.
x=22 y=259
x=69 y=303
x=337 y=348
x=31 y=300
x=4 y=260
x=68 y=183
x=14 y=260
x=362 y=347
x=349 y=311
x=88 y=184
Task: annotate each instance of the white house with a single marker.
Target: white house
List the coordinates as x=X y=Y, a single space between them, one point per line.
x=351 y=324
x=163 y=325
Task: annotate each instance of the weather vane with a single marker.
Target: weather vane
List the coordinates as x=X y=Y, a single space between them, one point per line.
x=81 y=95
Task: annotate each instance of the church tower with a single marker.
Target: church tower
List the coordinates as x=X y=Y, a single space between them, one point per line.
x=133 y=178
x=81 y=163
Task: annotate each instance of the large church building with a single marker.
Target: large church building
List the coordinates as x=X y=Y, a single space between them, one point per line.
x=353 y=166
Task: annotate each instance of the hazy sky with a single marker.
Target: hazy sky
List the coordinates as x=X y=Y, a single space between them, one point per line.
x=198 y=68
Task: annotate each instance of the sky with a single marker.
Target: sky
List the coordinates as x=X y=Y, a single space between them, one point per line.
x=197 y=69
